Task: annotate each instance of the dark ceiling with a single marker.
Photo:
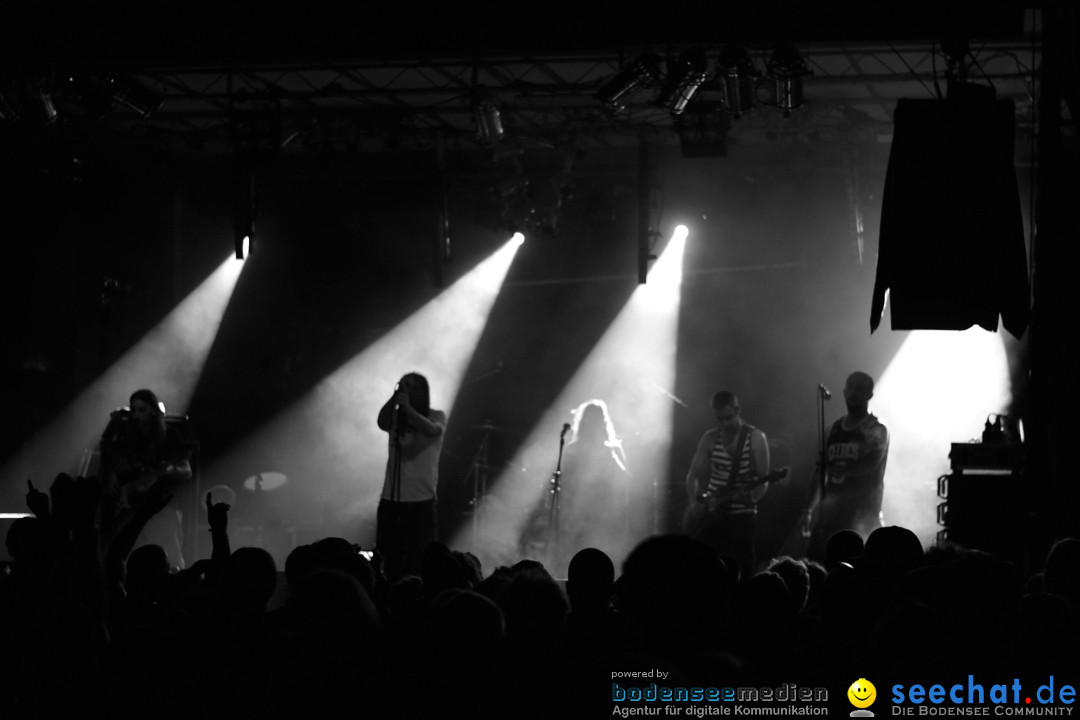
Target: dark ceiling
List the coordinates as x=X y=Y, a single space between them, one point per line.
x=374 y=78
x=156 y=34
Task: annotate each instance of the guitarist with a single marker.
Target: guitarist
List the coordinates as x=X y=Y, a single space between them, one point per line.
x=140 y=451
x=729 y=458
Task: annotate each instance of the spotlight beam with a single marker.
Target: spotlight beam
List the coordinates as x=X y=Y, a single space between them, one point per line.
x=169 y=359
x=333 y=426
x=631 y=368
x=938 y=389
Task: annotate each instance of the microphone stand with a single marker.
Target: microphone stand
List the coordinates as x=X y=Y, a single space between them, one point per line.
x=553 y=509
x=823 y=394
x=396 y=431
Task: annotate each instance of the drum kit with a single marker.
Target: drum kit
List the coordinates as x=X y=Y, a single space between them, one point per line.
x=482 y=471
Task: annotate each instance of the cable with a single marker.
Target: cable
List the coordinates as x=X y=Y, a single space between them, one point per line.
x=915 y=74
x=978 y=65
x=933 y=67
x=1033 y=182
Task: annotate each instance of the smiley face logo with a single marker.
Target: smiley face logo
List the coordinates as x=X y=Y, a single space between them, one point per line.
x=862 y=693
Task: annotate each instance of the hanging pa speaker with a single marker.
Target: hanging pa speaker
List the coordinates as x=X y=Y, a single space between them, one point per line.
x=951 y=249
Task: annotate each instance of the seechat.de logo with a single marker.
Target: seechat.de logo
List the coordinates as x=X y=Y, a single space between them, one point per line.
x=862 y=695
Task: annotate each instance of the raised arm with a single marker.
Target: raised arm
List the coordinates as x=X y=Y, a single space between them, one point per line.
x=386 y=414
x=435 y=423
x=432 y=424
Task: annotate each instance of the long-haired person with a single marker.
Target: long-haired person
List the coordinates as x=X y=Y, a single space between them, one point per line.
x=407 y=519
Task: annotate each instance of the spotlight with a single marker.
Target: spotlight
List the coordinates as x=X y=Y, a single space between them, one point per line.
x=243 y=212
x=489 y=129
x=27 y=99
x=41 y=101
x=242 y=239
x=135 y=95
x=737 y=75
x=684 y=79
x=641 y=73
x=787 y=69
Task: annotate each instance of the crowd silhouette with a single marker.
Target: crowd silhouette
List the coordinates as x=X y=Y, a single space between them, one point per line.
x=122 y=636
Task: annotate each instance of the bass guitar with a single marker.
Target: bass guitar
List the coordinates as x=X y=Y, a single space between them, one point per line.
x=708 y=504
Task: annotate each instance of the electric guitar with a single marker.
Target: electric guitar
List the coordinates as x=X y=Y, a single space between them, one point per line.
x=708 y=504
x=135 y=477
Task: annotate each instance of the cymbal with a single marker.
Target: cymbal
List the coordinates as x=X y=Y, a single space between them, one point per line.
x=266 y=482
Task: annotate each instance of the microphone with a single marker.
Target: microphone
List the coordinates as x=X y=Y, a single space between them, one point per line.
x=565 y=429
x=824 y=391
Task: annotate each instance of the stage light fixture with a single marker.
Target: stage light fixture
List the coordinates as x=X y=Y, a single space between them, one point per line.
x=42 y=103
x=243 y=212
x=489 y=127
x=686 y=75
x=128 y=91
x=737 y=79
x=9 y=111
x=787 y=68
x=641 y=73
x=27 y=99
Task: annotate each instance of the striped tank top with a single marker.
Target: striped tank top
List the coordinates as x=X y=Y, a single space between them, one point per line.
x=728 y=473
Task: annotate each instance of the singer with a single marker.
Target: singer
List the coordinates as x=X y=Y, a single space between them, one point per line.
x=856 y=448
x=407 y=521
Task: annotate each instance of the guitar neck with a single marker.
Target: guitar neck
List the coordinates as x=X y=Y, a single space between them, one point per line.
x=724 y=496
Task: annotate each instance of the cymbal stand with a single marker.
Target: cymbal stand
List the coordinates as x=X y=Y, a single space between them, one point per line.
x=479 y=473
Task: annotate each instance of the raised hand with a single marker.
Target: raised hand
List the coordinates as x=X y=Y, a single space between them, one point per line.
x=37 y=502
x=217 y=514
x=378 y=563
